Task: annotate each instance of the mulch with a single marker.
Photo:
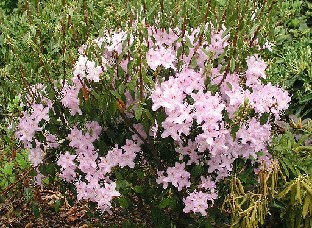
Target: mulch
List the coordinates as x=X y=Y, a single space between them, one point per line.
x=16 y=211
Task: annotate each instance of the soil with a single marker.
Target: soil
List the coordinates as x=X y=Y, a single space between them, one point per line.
x=17 y=212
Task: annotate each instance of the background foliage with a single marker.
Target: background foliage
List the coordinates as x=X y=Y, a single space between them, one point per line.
x=291 y=58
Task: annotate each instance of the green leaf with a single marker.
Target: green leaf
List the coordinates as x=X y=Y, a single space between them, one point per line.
x=221 y=2
x=8 y=168
x=122 y=184
x=138 y=189
x=124 y=202
x=284 y=166
x=159 y=218
x=232 y=65
x=229 y=85
x=116 y=94
x=282 y=194
x=151 y=10
x=119 y=175
x=57 y=205
x=305 y=98
x=138 y=112
x=36 y=210
x=234 y=129
x=260 y=153
x=48 y=169
x=21 y=161
x=197 y=171
x=149 y=115
x=12 y=179
x=306 y=205
x=167 y=202
x=264 y=118
x=179 y=51
x=28 y=194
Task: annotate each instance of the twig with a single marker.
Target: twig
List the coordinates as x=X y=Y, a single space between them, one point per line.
x=148 y=143
x=16 y=182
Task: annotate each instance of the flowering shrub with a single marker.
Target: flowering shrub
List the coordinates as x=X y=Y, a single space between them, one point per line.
x=175 y=105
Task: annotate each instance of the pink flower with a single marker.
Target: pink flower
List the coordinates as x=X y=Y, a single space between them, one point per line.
x=218 y=43
x=94 y=128
x=196 y=202
x=27 y=127
x=38 y=178
x=208 y=183
x=36 y=156
x=189 y=151
x=93 y=72
x=256 y=69
x=40 y=112
x=80 y=67
x=161 y=57
x=51 y=141
x=255 y=135
x=66 y=161
x=176 y=175
x=70 y=98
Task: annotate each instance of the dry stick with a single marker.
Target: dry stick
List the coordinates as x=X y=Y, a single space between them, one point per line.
x=128 y=57
x=39 y=29
x=16 y=182
x=28 y=12
x=207 y=12
x=161 y=6
x=129 y=25
x=76 y=36
x=238 y=27
x=227 y=69
x=200 y=38
x=39 y=52
x=85 y=12
x=147 y=142
x=259 y=26
x=63 y=52
x=144 y=8
x=141 y=79
x=115 y=53
x=247 y=4
x=183 y=34
x=21 y=69
x=44 y=66
x=69 y=21
x=72 y=60
x=224 y=13
x=237 y=9
x=246 y=7
x=30 y=18
x=85 y=91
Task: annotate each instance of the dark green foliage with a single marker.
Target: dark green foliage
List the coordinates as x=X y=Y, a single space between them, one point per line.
x=291 y=57
x=293 y=149
x=8 y=5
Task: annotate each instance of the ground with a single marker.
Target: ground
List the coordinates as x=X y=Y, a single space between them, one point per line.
x=17 y=212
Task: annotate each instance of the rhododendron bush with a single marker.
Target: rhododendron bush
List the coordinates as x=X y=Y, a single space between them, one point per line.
x=153 y=108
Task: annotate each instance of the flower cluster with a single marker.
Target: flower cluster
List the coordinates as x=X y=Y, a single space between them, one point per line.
x=176 y=175
x=187 y=103
x=201 y=122
x=95 y=169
